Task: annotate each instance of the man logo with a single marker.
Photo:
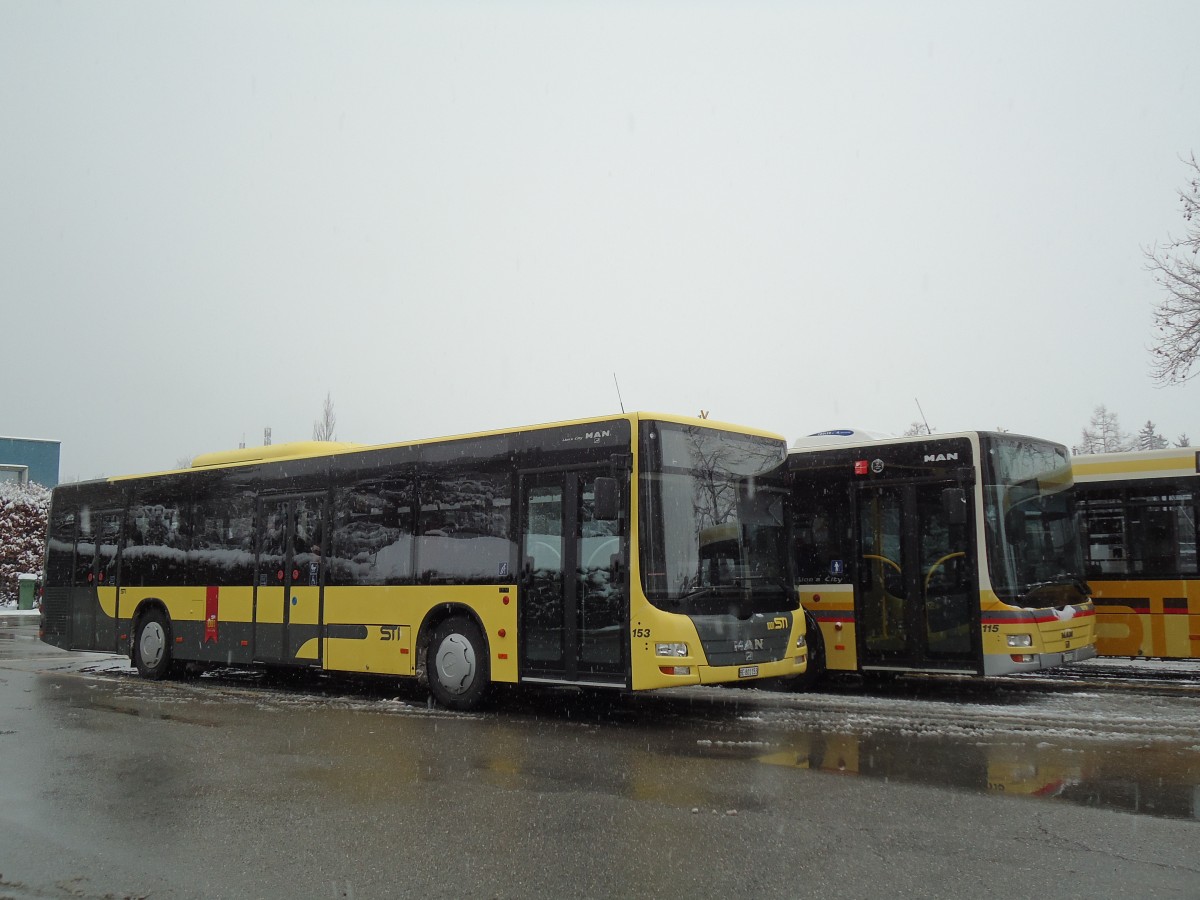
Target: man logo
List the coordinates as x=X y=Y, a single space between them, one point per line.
x=594 y=436
x=941 y=457
x=748 y=645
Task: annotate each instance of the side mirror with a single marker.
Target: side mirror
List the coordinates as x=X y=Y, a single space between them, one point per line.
x=606 y=496
x=954 y=505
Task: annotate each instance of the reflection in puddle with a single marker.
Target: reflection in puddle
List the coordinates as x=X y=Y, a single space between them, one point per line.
x=1155 y=780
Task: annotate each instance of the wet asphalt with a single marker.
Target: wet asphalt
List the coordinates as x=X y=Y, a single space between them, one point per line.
x=237 y=786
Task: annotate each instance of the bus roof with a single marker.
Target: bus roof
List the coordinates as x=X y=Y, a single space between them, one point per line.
x=1172 y=461
x=311 y=449
x=849 y=438
x=294 y=450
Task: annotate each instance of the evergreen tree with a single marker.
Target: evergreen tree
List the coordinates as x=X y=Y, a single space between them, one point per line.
x=1149 y=438
x=23 y=513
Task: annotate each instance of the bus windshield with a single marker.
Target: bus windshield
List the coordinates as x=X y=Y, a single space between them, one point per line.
x=1034 y=554
x=713 y=521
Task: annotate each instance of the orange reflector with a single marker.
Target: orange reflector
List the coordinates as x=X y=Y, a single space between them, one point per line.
x=245 y=643
x=403 y=649
x=179 y=640
x=502 y=655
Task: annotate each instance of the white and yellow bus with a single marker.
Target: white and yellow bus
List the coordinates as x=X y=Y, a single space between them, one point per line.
x=950 y=553
x=569 y=553
x=1139 y=515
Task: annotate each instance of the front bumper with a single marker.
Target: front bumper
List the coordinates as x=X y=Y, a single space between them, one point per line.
x=996 y=664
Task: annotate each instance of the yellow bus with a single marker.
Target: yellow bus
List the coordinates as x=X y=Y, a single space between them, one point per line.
x=567 y=553
x=950 y=553
x=1139 y=516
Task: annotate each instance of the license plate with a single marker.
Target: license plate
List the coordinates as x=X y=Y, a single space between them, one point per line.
x=747 y=671
x=1069 y=656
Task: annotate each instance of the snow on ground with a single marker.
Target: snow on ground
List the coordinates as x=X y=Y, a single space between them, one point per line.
x=1068 y=716
x=6 y=610
x=1108 y=664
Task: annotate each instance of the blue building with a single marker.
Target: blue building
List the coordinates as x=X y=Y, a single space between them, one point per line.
x=29 y=459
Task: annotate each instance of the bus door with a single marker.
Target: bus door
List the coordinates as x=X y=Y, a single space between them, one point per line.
x=573 y=586
x=290 y=576
x=916 y=594
x=97 y=554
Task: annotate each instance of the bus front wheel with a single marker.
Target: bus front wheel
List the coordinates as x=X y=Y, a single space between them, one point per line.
x=152 y=645
x=815 y=671
x=457 y=664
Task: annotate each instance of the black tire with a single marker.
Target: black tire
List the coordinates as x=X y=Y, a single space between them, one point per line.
x=457 y=664
x=152 y=645
x=815 y=673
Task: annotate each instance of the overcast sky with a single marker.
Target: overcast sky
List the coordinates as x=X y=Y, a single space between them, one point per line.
x=460 y=216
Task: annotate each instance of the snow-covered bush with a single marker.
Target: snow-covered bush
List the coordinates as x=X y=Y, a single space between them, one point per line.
x=23 y=512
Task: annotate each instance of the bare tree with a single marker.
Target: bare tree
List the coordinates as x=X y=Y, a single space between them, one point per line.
x=324 y=427
x=1103 y=434
x=1175 y=267
x=915 y=429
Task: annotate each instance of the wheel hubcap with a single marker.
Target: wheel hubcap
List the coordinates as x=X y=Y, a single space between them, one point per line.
x=455 y=661
x=151 y=644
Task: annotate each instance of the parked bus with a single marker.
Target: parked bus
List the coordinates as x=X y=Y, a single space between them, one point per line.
x=570 y=553
x=1139 y=517
x=954 y=553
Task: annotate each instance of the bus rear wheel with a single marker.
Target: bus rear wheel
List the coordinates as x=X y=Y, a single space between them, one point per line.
x=152 y=645
x=457 y=664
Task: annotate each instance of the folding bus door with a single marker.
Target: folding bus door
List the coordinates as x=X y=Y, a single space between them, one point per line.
x=97 y=554
x=290 y=576
x=916 y=596
x=573 y=603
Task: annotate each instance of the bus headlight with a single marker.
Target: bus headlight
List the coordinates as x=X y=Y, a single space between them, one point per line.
x=1020 y=640
x=670 y=650
x=800 y=642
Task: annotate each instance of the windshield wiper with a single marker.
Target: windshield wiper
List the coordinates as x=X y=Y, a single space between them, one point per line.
x=702 y=591
x=1073 y=580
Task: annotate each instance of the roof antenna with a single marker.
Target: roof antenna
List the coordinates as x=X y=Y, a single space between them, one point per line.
x=922 y=412
x=619 y=400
